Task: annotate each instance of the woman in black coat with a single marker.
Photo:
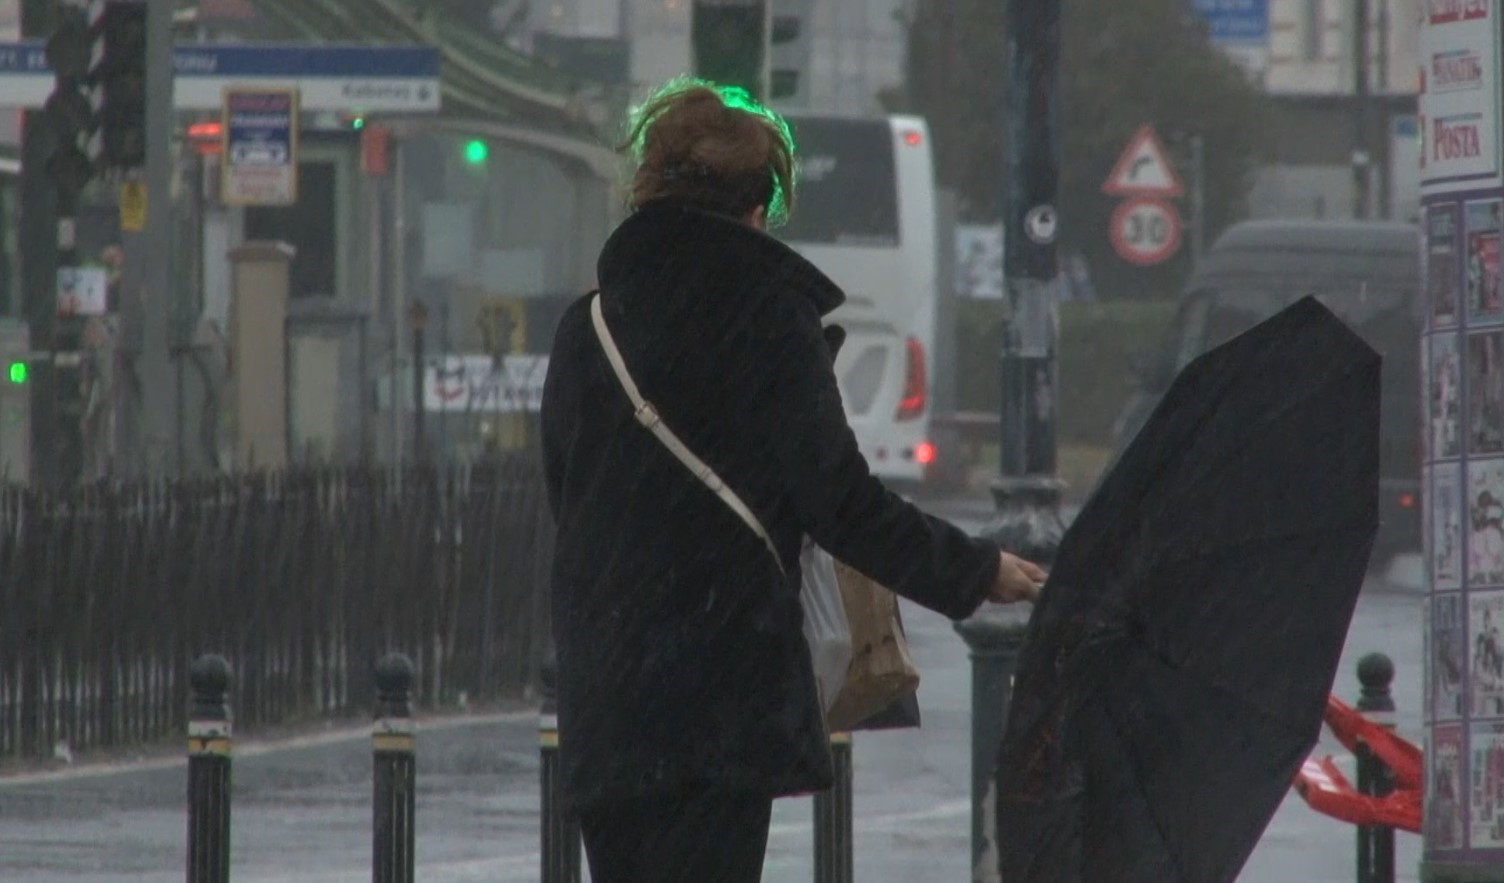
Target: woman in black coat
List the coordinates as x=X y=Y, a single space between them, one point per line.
x=686 y=696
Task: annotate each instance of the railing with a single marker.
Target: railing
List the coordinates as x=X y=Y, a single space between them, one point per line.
x=301 y=579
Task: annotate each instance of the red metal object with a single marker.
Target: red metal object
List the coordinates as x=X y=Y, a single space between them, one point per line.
x=1350 y=727
x=1326 y=790
x=375 y=144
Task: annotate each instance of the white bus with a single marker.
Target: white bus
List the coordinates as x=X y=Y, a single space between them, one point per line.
x=865 y=215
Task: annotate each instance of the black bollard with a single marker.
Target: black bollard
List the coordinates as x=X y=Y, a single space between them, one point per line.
x=833 y=834
x=209 y=771
x=394 y=745
x=560 y=846
x=1375 y=843
x=995 y=637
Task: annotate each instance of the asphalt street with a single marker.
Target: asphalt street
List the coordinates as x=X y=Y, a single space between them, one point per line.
x=302 y=809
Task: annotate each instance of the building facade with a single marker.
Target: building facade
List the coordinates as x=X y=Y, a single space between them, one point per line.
x=1347 y=140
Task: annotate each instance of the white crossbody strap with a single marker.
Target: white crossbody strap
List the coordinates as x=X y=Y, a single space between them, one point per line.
x=648 y=416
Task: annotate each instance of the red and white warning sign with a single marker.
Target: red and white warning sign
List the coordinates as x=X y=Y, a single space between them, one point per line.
x=1145 y=230
x=1144 y=169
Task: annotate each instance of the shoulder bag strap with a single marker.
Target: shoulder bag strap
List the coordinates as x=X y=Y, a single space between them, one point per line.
x=648 y=416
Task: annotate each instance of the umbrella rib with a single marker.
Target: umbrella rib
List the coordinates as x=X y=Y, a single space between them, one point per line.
x=1139 y=778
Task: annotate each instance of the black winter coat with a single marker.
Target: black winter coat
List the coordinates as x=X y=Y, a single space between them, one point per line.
x=682 y=661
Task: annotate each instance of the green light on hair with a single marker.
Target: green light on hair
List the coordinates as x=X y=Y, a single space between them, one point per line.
x=734 y=97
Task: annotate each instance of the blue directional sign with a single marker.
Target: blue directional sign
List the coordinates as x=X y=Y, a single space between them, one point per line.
x=1235 y=21
x=338 y=77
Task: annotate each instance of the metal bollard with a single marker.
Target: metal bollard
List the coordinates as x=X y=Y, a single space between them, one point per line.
x=833 y=834
x=560 y=846
x=1375 y=844
x=209 y=771
x=394 y=746
x=995 y=637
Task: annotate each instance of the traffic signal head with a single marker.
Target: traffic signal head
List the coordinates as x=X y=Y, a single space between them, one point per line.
x=18 y=372
x=68 y=109
x=120 y=77
x=477 y=151
x=729 y=38
x=70 y=46
x=788 y=55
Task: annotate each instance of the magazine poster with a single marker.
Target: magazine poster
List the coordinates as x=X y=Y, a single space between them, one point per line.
x=1445 y=505
x=1486 y=671
x=1485 y=522
x=1485 y=392
x=1485 y=300
x=1441 y=267
x=1445 y=396
x=1486 y=762
x=1448 y=642
x=1443 y=803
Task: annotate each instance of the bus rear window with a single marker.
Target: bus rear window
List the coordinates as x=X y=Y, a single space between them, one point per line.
x=847 y=192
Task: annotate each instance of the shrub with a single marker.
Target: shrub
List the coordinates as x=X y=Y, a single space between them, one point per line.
x=1101 y=347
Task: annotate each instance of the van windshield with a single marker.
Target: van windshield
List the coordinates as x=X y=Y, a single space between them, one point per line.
x=1381 y=313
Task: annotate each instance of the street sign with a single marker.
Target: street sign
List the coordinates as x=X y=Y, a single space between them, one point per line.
x=82 y=291
x=1040 y=224
x=1235 y=21
x=261 y=147
x=1145 y=230
x=337 y=77
x=133 y=206
x=477 y=384
x=1144 y=169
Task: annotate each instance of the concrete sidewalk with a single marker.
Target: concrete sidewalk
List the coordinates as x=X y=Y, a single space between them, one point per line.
x=302 y=808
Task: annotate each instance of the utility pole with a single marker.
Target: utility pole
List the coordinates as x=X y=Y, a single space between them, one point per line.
x=1027 y=491
x=1363 y=154
x=38 y=257
x=157 y=298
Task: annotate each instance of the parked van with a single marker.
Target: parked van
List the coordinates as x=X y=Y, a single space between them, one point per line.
x=1368 y=273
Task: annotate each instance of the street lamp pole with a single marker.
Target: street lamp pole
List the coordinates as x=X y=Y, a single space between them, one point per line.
x=1027 y=491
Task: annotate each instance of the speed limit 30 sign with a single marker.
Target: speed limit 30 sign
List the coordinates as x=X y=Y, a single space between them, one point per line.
x=1145 y=230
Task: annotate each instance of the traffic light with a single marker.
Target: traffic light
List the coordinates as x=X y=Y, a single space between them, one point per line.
x=18 y=372
x=788 y=56
x=68 y=109
x=728 y=39
x=477 y=151
x=120 y=78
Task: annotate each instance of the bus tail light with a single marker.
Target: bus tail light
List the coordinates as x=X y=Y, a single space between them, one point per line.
x=924 y=453
x=915 y=382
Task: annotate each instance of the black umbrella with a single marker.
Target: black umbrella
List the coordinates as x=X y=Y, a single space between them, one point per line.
x=1177 y=665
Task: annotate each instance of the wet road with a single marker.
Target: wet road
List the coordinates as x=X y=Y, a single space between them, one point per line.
x=302 y=810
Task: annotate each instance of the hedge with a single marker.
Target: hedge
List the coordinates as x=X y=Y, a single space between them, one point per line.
x=1101 y=346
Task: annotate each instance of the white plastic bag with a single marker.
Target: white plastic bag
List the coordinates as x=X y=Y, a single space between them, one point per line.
x=825 y=625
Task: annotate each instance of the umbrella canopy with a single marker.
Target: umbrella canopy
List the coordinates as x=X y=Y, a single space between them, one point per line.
x=1179 y=661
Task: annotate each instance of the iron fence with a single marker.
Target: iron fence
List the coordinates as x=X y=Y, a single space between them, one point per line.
x=301 y=579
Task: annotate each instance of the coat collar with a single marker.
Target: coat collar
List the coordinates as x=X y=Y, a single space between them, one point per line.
x=667 y=228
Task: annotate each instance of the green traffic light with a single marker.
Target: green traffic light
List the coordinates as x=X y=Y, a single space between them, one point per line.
x=476 y=152
x=358 y=123
x=19 y=371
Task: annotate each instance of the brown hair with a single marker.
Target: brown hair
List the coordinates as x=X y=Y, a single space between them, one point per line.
x=714 y=146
